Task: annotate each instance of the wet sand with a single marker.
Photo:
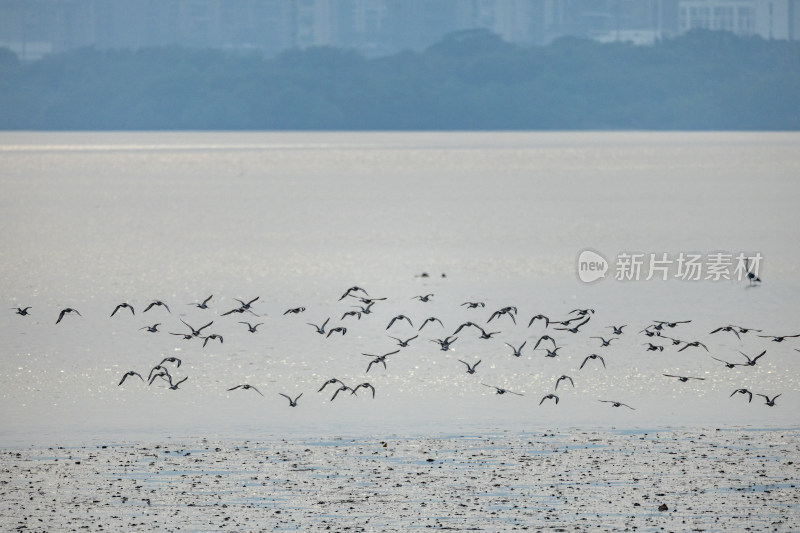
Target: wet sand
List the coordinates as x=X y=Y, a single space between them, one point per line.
x=578 y=480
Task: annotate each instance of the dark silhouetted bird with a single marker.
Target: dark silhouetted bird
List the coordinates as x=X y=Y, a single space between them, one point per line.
x=292 y=403
x=66 y=311
x=196 y=332
x=517 y=351
x=211 y=337
x=252 y=327
x=403 y=343
x=752 y=362
x=769 y=402
x=399 y=317
x=120 y=306
x=562 y=378
x=743 y=391
x=430 y=319
x=593 y=356
x=157 y=303
x=245 y=386
x=539 y=317
x=499 y=390
x=203 y=304
x=470 y=369
x=549 y=397
x=130 y=373
x=320 y=329
x=683 y=379
x=339 y=329
x=617 y=404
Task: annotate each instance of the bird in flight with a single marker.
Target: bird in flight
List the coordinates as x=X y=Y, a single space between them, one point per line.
x=563 y=378
x=517 y=351
x=252 y=327
x=211 y=337
x=158 y=303
x=174 y=386
x=294 y=311
x=330 y=382
x=171 y=360
x=399 y=317
x=379 y=358
x=403 y=343
x=128 y=374
x=732 y=329
x=340 y=329
x=743 y=391
x=292 y=403
x=727 y=364
x=153 y=328
x=683 y=379
x=466 y=325
x=320 y=329
x=499 y=390
x=342 y=389
x=510 y=311
x=652 y=347
x=593 y=356
x=769 y=402
x=752 y=278
x=66 y=311
x=365 y=310
x=22 y=310
x=352 y=289
x=617 y=404
x=662 y=323
x=423 y=298
x=694 y=344
x=549 y=397
x=473 y=305
x=470 y=369
x=545 y=338
x=604 y=341
x=539 y=317
x=203 y=304
x=196 y=332
x=553 y=352
x=364 y=385
x=752 y=362
x=779 y=339
x=123 y=305
x=430 y=319
x=246 y=305
x=444 y=344
x=245 y=386
x=574 y=329
x=617 y=329
x=356 y=314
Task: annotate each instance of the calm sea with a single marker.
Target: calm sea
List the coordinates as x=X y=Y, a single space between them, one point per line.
x=91 y=220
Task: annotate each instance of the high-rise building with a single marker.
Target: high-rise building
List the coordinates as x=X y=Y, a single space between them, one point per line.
x=34 y=28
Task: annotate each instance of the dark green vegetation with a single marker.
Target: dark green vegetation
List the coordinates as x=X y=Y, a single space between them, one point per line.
x=470 y=81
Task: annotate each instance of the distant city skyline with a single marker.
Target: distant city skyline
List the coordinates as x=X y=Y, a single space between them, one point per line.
x=33 y=29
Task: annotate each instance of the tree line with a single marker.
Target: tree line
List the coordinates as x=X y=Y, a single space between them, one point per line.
x=471 y=80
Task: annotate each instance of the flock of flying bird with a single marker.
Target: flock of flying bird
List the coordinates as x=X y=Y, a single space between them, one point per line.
x=572 y=324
